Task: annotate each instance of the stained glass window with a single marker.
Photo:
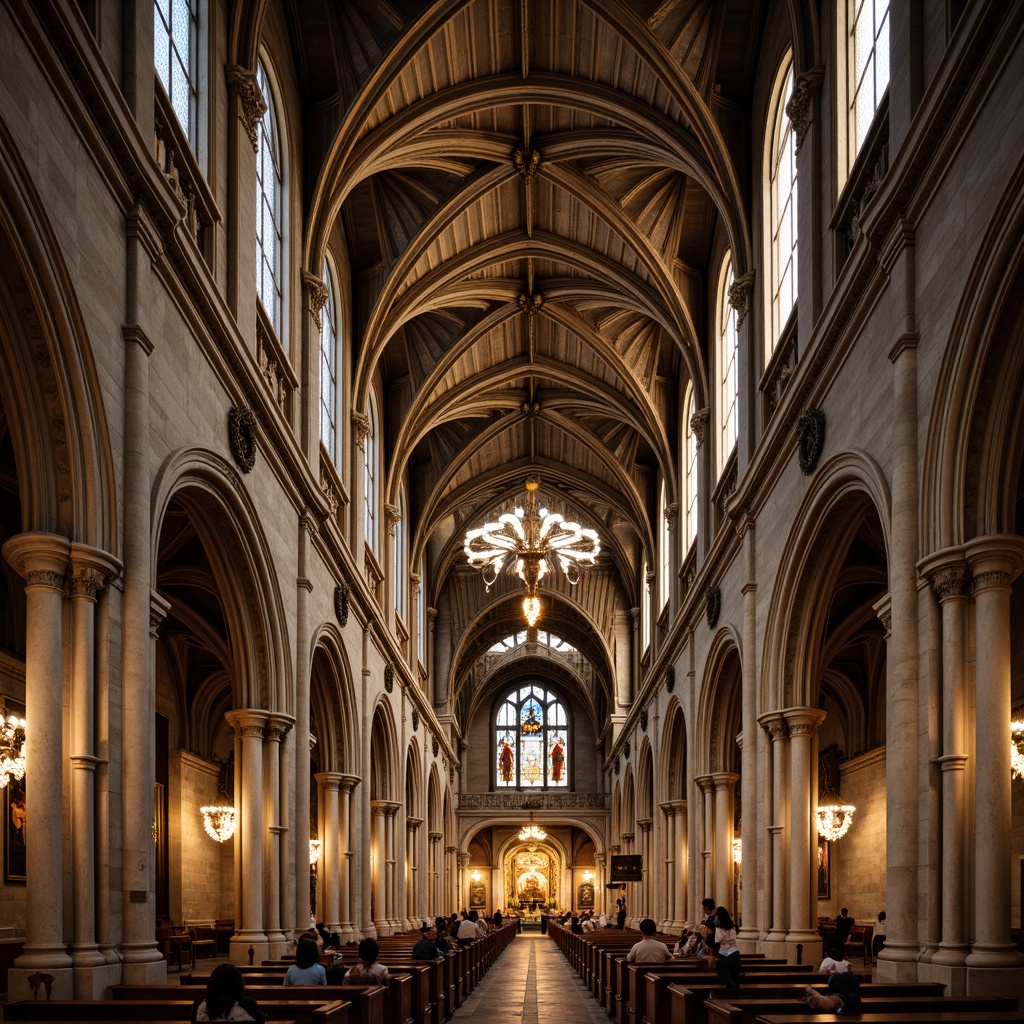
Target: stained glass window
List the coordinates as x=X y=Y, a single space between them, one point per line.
x=531 y=747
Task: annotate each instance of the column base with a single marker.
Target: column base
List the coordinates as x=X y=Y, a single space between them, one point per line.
x=810 y=947
x=92 y=982
x=382 y=928
x=953 y=976
x=279 y=948
x=897 y=962
x=951 y=954
x=748 y=940
x=994 y=955
x=347 y=931
x=44 y=983
x=242 y=942
x=87 y=955
x=152 y=972
x=1005 y=981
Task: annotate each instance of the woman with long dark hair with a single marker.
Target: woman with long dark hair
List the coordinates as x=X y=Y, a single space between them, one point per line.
x=225 y=998
x=727 y=966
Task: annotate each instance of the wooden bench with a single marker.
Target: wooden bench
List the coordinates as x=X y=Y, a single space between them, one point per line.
x=969 y=1017
x=747 y=1011
x=312 y=1011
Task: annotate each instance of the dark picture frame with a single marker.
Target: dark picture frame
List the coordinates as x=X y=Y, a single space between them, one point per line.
x=15 y=860
x=824 y=869
x=477 y=895
x=585 y=896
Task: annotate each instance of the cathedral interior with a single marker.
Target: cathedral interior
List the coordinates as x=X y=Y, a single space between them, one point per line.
x=447 y=447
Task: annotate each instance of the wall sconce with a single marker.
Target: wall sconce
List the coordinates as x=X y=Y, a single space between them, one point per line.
x=588 y=875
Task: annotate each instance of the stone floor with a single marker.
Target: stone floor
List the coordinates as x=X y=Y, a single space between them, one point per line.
x=533 y=983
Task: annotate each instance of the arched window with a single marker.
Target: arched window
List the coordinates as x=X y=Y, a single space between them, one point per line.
x=781 y=147
x=421 y=616
x=690 y=470
x=665 y=552
x=864 y=40
x=329 y=369
x=370 y=469
x=270 y=211
x=400 y=562
x=726 y=346
x=531 y=740
x=645 y=608
x=175 y=54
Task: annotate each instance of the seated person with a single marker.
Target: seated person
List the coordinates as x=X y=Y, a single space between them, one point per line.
x=328 y=939
x=225 y=998
x=687 y=944
x=835 y=962
x=441 y=930
x=426 y=945
x=468 y=930
x=307 y=969
x=648 y=950
x=367 y=971
x=878 y=936
x=843 y=994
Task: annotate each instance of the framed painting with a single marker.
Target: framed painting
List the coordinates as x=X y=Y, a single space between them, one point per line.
x=824 y=870
x=14 y=831
x=477 y=895
x=585 y=896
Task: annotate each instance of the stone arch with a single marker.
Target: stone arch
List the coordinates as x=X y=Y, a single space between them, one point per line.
x=434 y=818
x=383 y=767
x=413 y=781
x=48 y=381
x=332 y=702
x=975 y=440
x=673 y=766
x=720 y=715
x=225 y=520
x=645 y=780
x=844 y=492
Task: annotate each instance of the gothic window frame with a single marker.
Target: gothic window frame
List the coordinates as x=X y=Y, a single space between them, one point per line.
x=646 y=626
x=512 y=706
x=179 y=72
x=665 y=549
x=726 y=369
x=421 y=616
x=371 y=478
x=330 y=364
x=270 y=209
x=400 y=559
x=691 y=511
x=782 y=184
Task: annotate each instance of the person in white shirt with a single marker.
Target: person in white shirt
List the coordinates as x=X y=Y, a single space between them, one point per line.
x=468 y=930
x=835 y=962
x=587 y=924
x=602 y=920
x=648 y=950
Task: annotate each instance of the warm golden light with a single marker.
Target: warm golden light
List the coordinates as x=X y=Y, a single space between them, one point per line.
x=532 y=832
x=1016 y=749
x=834 y=820
x=219 y=819
x=315 y=847
x=12 y=749
x=531 y=610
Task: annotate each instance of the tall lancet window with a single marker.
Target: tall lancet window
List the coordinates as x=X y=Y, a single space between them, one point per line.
x=270 y=211
x=531 y=740
x=726 y=351
x=690 y=470
x=175 y=54
x=329 y=369
x=781 y=145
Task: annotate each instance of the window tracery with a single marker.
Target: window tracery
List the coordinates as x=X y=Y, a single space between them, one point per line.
x=531 y=739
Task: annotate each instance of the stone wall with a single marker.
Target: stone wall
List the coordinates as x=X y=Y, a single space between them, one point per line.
x=207 y=884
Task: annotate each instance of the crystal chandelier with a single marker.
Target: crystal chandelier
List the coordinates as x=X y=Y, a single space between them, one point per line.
x=12 y=749
x=532 y=831
x=1016 y=749
x=537 y=541
x=833 y=818
x=219 y=817
x=314 y=850
x=737 y=851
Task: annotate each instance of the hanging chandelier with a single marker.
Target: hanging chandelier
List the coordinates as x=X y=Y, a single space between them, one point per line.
x=537 y=541
x=219 y=817
x=314 y=850
x=12 y=749
x=1016 y=749
x=833 y=818
x=532 y=831
x=737 y=851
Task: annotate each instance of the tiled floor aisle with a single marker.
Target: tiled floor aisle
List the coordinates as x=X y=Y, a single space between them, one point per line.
x=532 y=983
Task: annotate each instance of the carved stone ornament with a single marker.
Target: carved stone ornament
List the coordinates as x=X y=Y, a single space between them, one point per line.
x=415 y=720
x=251 y=105
x=435 y=745
x=643 y=720
x=798 y=109
x=810 y=439
x=739 y=296
x=316 y=296
x=389 y=677
x=341 y=595
x=670 y=678
x=617 y=766
x=526 y=162
x=713 y=596
x=699 y=423
x=242 y=437
x=626 y=749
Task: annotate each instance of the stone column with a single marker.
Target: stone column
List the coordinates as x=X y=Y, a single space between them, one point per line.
x=777 y=814
x=347 y=930
x=392 y=839
x=442 y=657
x=392 y=517
x=249 y=725
x=329 y=784
x=803 y=726
x=948 y=574
x=995 y=563
x=90 y=570
x=41 y=559
x=451 y=879
x=277 y=727
x=463 y=897
x=378 y=854
x=750 y=794
x=414 y=909
x=300 y=744
x=681 y=842
x=725 y=815
x=622 y=625
x=705 y=481
x=668 y=902
x=414 y=624
x=436 y=899
x=674 y=558
x=107 y=610
x=707 y=838
x=898 y=960
x=646 y=908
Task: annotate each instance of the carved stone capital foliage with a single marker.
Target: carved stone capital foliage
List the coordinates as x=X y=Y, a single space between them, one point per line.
x=713 y=597
x=45 y=578
x=810 y=440
x=798 y=109
x=626 y=749
x=950 y=583
x=87 y=581
x=699 y=425
x=635 y=613
x=415 y=720
x=739 y=296
x=394 y=517
x=526 y=162
x=360 y=429
x=242 y=437
x=251 y=105
x=432 y=614
x=995 y=578
x=342 y=592
x=643 y=720
x=529 y=302
x=316 y=296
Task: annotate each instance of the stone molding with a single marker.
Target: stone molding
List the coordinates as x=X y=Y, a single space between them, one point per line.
x=805 y=86
x=316 y=296
x=251 y=104
x=514 y=801
x=698 y=424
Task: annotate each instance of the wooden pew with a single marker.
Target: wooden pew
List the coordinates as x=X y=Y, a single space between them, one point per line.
x=970 y=1017
x=747 y=1011
x=93 y=1011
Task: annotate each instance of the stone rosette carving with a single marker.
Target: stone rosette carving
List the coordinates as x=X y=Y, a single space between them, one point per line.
x=810 y=440
x=389 y=677
x=670 y=678
x=713 y=597
x=342 y=593
x=242 y=437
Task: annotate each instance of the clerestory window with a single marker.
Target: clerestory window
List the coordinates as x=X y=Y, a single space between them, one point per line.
x=175 y=55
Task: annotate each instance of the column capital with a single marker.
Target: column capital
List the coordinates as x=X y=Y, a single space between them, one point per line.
x=360 y=429
x=278 y=725
x=411 y=824
x=698 y=425
x=316 y=296
x=329 y=780
x=774 y=724
x=251 y=105
x=706 y=782
x=675 y=806
x=248 y=721
x=645 y=824
x=41 y=559
x=91 y=569
x=725 y=780
x=464 y=859
x=995 y=561
x=883 y=609
x=435 y=837
x=805 y=87
x=158 y=609
x=803 y=721
x=947 y=572
x=349 y=782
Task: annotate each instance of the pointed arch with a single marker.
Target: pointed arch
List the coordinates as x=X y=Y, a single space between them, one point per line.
x=332 y=702
x=719 y=717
